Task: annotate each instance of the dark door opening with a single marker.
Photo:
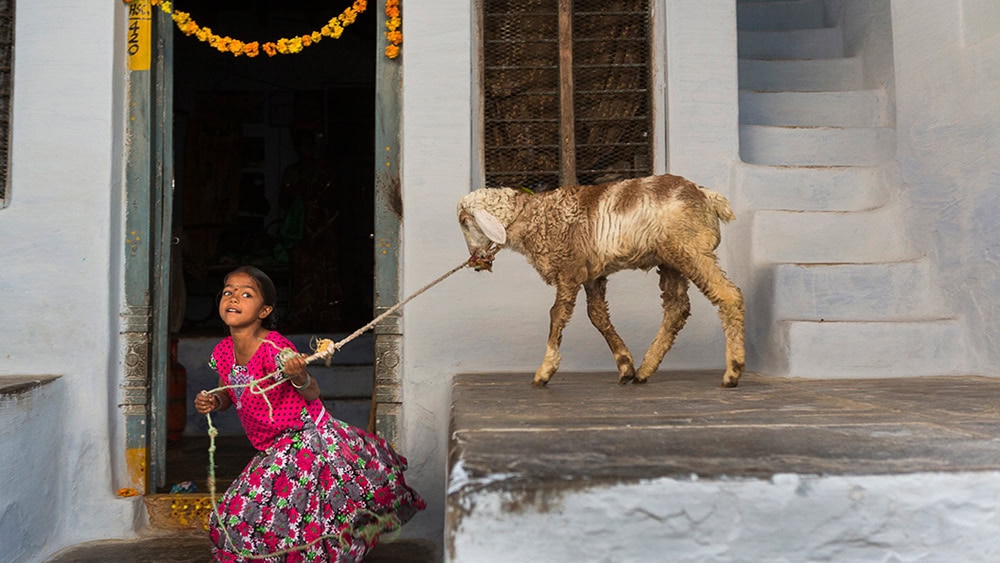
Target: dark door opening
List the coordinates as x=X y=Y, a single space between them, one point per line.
x=274 y=166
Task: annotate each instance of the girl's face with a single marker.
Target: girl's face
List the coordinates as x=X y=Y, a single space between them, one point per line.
x=242 y=302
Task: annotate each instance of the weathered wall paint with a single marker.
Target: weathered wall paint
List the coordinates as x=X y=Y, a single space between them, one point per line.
x=59 y=247
x=948 y=127
x=31 y=444
x=915 y=517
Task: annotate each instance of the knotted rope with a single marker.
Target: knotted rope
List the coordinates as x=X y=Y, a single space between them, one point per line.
x=324 y=349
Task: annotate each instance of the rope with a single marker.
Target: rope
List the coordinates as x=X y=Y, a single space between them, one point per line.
x=325 y=349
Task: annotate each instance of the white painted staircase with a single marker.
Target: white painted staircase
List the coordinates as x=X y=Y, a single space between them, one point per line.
x=850 y=296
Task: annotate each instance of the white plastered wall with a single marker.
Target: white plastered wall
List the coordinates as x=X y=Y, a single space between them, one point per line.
x=60 y=246
x=947 y=82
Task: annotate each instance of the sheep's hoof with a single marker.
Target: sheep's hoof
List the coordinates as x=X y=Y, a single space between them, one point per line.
x=640 y=381
x=539 y=383
x=626 y=379
x=729 y=383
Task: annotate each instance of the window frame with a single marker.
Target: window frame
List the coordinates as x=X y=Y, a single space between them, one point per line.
x=658 y=95
x=5 y=171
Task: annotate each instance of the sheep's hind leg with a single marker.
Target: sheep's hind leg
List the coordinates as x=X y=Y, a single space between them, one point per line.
x=676 y=310
x=597 y=310
x=559 y=315
x=705 y=272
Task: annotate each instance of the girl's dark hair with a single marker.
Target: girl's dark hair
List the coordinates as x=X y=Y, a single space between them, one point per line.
x=267 y=291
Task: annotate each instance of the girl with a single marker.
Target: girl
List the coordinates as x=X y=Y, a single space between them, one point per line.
x=316 y=483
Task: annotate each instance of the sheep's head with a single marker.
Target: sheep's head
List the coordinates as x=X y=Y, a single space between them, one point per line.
x=482 y=215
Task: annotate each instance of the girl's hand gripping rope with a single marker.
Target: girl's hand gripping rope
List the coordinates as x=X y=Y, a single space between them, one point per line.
x=206 y=402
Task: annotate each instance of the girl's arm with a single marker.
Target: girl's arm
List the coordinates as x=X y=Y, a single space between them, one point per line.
x=299 y=378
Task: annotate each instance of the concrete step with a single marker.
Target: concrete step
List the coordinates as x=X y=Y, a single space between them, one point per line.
x=779 y=15
x=866 y=349
x=796 y=75
x=819 y=43
x=795 y=188
x=816 y=146
x=855 y=108
x=861 y=237
x=869 y=292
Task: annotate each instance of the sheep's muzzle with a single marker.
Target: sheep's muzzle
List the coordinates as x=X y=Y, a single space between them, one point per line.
x=480 y=262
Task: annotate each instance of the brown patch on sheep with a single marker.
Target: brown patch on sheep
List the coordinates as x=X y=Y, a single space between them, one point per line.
x=589 y=198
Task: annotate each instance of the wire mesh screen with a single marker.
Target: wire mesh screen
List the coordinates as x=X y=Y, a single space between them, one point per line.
x=528 y=133
x=6 y=66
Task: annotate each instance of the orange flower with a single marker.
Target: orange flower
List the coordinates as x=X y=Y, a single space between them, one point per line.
x=348 y=17
x=334 y=28
x=393 y=23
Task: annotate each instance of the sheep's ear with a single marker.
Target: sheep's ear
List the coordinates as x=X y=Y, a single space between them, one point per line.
x=490 y=226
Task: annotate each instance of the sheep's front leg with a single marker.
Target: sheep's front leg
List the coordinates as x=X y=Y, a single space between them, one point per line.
x=597 y=310
x=676 y=310
x=559 y=315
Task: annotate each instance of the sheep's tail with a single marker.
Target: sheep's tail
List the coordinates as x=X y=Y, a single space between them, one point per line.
x=719 y=205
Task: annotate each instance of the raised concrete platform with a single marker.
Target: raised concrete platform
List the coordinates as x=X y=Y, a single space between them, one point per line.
x=776 y=469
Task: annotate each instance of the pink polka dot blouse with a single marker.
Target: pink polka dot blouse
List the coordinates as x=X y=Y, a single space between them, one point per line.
x=263 y=425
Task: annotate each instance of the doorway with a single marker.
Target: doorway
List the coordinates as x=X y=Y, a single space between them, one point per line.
x=274 y=167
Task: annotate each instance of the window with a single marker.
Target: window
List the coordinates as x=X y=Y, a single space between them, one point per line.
x=566 y=95
x=6 y=81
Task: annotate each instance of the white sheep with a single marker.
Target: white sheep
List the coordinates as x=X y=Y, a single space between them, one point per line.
x=579 y=235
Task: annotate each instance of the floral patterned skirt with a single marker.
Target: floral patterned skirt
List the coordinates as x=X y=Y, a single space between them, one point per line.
x=326 y=493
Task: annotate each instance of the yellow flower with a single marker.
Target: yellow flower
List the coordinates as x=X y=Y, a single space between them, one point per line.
x=316 y=37
x=295 y=45
x=393 y=24
x=392 y=51
x=335 y=29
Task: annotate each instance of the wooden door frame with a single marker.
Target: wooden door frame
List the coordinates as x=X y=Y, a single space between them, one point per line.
x=387 y=398
x=148 y=236
x=149 y=187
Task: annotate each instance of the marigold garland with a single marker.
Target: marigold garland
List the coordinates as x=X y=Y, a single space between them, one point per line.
x=393 y=22
x=284 y=46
